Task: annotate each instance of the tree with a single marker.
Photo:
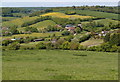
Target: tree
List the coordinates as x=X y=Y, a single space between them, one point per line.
x=107 y=38
x=65 y=33
x=40 y=46
x=14 y=46
x=14 y=30
x=65 y=45
x=31 y=29
x=115 y=39
x=77 y=30
x=74 y=45
x=49 y=45
x=6 y=42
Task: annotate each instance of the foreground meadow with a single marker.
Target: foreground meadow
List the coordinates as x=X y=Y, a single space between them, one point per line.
x=59 y=65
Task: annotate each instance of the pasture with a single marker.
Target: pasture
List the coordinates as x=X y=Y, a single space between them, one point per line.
x=97 y=14
x=34 y=35
x=62 y=15
x=92 y=42
x=43 y=24
x=103 y=21
x=59 y=65
x=19 y=21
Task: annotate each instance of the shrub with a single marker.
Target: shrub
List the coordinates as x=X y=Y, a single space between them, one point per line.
x=65 y=45
x=6 y=42
x=26 y=48
x=84 y=38
x=74 y=46
x=81 y=47
x=14 y=46
x=41 y=46
x=65 y=33
x=49 y=45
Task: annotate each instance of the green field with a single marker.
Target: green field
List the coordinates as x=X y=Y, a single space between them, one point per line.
x=43 y=24
x=34 y=35
x=59 y=65
x=97 y=14
x=19 y=21
x=92 y=42
x=104 y=21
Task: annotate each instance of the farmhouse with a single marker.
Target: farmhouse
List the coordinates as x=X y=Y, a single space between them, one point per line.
x=70 y=27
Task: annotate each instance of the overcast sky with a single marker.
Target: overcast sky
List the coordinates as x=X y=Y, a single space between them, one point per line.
x=60 y=0
x=56 y=3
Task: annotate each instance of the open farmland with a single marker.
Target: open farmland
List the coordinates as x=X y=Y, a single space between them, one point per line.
x=7 y=18
x=62 y=15
x=43 y=24
x=19 y=21
x=104 y=21
x=92 y=42
x=35 y=35
x=54 y=64
x=97 y=14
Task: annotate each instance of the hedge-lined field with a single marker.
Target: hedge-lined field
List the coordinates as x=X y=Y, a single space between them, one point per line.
x=106 y=22
x=19 y=21
x=92 y=42
x=35 y=35
x=98 y=14
x=59 y=65
x=43 y=24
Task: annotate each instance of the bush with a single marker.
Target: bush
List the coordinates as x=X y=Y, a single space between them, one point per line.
x=81 y=47
x=41 y=46
x=74 y=46
x=65 y=45
x=49 y=45
x=26 y=48
x=84 y=38
x=6 y=42
x=114 y=48
x=14 y=46
x=65 y=33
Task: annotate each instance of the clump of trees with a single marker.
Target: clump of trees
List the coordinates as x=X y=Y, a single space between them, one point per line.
x=65 y=32
x=53 y=28
x=84 y=38
x=31 y=29
x=113 y=39
x=37 y=13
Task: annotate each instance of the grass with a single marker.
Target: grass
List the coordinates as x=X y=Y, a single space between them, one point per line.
x=35 y=35
x=97 y=14
x=31 y=44
x=92 y=42
x=62 y=15
x=104 y=21
x=7 y=18
x=43 y=24
x=59 y=65
x=19 y=21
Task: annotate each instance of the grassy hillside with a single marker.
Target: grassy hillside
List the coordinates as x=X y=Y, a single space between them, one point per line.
x=7 y=18
x=97 y=14
x=92 y=42
x=59 y=65
x=104 y=21
x=18 y=21
x=62 y=15
x=43 y=24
